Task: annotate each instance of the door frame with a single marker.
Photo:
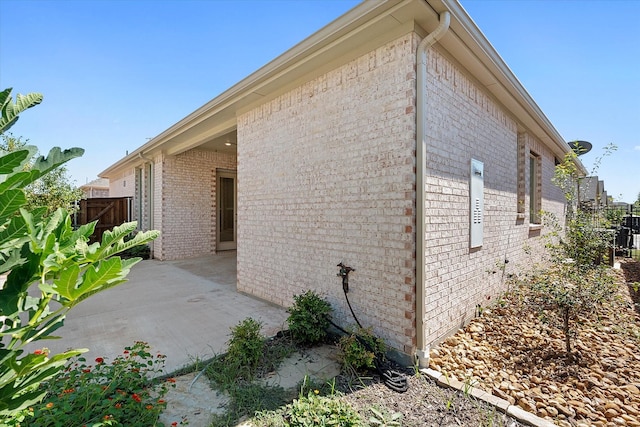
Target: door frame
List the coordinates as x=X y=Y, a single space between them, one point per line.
x=226 y=173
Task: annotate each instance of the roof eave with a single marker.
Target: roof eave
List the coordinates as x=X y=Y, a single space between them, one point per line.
x=523 y=106
x=464 y=41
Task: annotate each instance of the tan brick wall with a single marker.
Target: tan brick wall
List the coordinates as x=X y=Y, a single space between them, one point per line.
x=185 y=202
x=122 y=185
x=465 y=123
x=325 y=174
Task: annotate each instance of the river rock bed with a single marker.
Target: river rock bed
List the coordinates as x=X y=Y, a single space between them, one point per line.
x=509 y=352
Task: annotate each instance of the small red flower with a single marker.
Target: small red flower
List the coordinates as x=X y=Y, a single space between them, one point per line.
x=125 y=352
x=99 y=360
x=135 y=397
x=118 y=405
x=174 y=424
x=49 y=405
x=86 y=371
x=37 y=352
x=161 y=401
x=171 y=380
x=149 y=407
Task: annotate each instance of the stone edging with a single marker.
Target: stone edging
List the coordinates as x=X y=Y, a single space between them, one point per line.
x=501 y=404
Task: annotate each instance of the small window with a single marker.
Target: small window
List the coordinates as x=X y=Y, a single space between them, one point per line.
x=535 y=188
x=521 y=171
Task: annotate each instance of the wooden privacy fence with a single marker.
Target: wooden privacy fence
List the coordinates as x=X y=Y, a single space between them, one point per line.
x=108 y=211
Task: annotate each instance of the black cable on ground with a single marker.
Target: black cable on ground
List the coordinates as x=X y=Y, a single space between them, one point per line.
x=396 y=381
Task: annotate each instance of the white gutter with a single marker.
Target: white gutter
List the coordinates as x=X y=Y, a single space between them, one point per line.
x=145 y=158
x=422 y=351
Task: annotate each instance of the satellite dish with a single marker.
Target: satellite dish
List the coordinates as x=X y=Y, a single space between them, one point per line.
x=580 y=147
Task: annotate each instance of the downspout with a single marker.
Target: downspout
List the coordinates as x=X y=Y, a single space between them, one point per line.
x=150 y=195
x=422 y=352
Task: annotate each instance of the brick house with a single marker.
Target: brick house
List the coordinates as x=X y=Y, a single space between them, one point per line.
x=96 y=188
x=315 y=159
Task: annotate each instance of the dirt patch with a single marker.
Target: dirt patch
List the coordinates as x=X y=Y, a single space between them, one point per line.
x=194 y=400
x=423 y=404
x=426 y=404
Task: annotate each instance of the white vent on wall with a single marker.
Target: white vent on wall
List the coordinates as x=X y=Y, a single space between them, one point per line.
x=476 y=208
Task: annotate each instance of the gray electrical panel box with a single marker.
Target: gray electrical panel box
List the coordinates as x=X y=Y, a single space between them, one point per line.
x=476 y=208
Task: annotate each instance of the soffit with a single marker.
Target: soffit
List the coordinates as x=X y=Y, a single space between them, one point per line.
x=365 y=27
x=370 y=23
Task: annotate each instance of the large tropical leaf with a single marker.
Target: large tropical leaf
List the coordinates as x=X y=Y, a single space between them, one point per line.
x=66 y=284
x=15 y=160
x=19 y=180
x=114 y=246
x=55 y=158
x=5 y=97
x=103 y=275
x=10 y=203
x=122 y=277
x=10 y=111
x=14 y=234
x=11 y=260
x=19 y=378
x=110 y=238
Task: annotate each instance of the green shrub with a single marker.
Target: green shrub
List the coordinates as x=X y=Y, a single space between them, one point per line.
x=357 y=355
x=248 y=356
x=563 y=292
x=307 y=319
x=315 y=410
x=117 y=393
x=142 y=251
x=245 y=347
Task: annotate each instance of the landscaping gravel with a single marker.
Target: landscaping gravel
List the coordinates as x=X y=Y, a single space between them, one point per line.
x=509 y=352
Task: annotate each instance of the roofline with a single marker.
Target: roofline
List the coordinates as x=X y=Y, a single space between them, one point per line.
x=505 y=74
x=248 y=90
x=323 y=36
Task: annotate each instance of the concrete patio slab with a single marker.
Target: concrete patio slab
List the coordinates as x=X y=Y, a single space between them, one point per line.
x=183 y=309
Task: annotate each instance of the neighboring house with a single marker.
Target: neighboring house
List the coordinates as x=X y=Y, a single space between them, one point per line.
x=96 y=188
x=122 y=184
x=591 y=193
x=395 y=140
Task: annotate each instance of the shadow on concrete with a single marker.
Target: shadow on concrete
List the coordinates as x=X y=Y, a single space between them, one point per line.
x=184 y=309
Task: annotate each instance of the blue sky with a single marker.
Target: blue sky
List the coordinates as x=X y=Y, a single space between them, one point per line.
x=115 y=73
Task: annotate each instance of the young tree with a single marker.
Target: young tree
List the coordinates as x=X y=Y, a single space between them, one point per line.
x=576 y=279
x=53 y=190
x=50 y=268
